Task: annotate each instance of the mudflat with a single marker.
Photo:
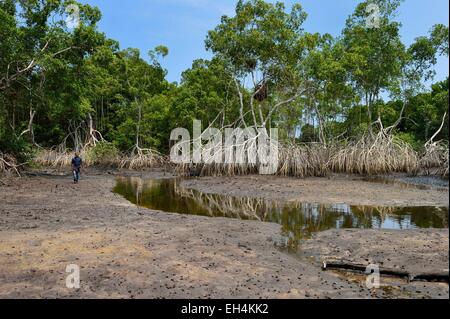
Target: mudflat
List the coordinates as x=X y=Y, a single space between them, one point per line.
x=338 y=189
x=125 y=251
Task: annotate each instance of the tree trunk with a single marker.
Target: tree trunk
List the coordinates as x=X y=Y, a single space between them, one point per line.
x=30 y=130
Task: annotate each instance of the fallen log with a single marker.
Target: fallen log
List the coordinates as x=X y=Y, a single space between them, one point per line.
x=431 y=277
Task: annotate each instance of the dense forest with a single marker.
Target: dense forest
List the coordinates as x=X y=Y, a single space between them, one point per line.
x=345 y=99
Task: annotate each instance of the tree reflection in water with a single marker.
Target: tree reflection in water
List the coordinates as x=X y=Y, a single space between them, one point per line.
x=298 y=220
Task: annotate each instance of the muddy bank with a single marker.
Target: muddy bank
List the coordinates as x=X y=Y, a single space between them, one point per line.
x=426 y=181
x=337 y=189
x=416 y=252
x=124 y=251
x=421 y=252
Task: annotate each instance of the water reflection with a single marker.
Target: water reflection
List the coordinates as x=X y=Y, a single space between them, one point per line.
x=298 y=220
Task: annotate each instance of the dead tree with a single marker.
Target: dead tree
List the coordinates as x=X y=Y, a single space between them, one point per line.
x=30 y=129
x=94 y=136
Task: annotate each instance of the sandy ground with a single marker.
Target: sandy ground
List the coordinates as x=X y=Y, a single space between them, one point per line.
x=338 y=189
x=124 y=251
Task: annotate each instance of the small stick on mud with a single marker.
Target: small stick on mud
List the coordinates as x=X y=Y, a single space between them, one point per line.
x=431 y=277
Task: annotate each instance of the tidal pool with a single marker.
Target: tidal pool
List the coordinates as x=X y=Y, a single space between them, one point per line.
x=298 y=220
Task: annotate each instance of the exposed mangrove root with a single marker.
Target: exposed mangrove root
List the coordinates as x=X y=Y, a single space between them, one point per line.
x=94 y=136
x=432 y=277
x=435 y=160
x=141 y=159
x=240 y=158
x=8 y=164
x=303 y=160
x=373 y=154
x=366 y=157
x=89 y=143
x=380 y=154
x=56 y=159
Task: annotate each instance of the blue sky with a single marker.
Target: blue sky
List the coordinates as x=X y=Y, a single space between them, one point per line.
x=182 y=25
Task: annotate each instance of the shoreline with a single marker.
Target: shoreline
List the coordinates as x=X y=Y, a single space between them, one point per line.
x=336 y=189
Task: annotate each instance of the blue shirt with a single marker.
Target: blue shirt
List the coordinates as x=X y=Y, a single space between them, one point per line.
x=76 y=161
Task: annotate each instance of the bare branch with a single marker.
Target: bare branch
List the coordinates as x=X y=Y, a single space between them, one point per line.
x=430 y=141
x=8 y=79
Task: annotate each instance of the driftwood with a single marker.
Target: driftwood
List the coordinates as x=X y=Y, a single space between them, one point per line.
x=432 y=277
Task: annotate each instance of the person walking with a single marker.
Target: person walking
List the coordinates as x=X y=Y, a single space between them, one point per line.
x=77 y=162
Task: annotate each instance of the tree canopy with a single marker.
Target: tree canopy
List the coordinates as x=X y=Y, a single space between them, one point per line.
x=64 y=86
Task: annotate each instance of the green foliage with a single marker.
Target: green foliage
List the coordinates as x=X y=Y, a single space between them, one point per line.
x=374 y=56
x=263 y=45
x=410 y=139
x=102 y=153
x=332 y=88
x=308 y=134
